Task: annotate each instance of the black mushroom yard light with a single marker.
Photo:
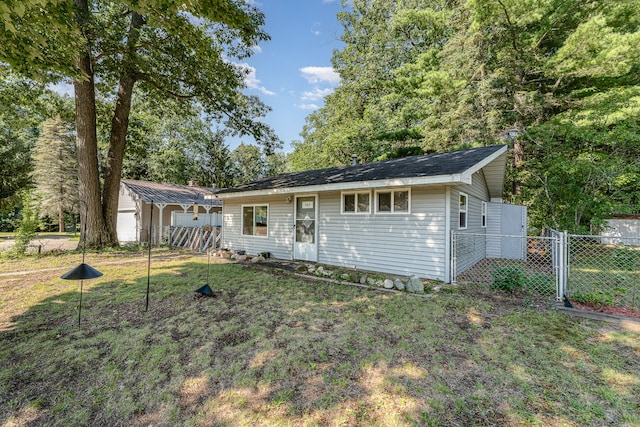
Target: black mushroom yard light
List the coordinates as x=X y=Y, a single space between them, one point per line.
x=83 y=271
x=206 y=290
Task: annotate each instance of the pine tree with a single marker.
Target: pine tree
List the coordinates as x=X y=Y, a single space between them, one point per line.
x=55 y=170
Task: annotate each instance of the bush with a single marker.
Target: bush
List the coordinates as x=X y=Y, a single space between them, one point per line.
x=508 y=278
x=28 y=225
x=541 y=283
x=595 y=298
x=624 y=258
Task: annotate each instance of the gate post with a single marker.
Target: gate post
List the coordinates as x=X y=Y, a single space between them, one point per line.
x=563 y=262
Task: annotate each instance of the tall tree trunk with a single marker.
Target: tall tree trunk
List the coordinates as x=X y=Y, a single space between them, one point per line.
x=119 y=127
x=87 y=142
x=117 y=145
x=61 y=211
x=518 y=161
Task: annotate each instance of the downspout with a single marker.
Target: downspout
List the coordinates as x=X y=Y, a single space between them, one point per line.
x=447 y=235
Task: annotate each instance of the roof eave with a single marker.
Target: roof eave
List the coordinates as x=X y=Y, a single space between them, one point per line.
x=354 y=186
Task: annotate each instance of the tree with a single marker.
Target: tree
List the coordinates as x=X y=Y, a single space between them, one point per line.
x=15 y=170
x=439 y=75
x=55 y=171
x=24 y=105
x=168 y=48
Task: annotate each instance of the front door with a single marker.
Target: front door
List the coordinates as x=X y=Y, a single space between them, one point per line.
x=306 y=239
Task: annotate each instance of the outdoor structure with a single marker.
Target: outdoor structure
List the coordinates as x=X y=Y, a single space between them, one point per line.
x=395 y=216
x=622 y=228
x=174 y=206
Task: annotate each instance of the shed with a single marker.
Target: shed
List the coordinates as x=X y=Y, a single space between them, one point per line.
x=394 y=216
x=174 y=205
x=622 y=229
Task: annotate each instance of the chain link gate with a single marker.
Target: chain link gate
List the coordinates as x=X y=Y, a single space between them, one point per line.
x=506 y=262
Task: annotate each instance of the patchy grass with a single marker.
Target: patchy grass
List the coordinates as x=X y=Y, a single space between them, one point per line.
x=273 y=350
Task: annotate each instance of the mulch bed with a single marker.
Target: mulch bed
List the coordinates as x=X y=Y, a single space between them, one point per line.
x=625 y=311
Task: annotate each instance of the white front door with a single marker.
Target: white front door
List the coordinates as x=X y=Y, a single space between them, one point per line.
x=306 y=228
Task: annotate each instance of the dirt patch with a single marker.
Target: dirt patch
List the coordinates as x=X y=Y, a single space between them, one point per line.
x=625 y=311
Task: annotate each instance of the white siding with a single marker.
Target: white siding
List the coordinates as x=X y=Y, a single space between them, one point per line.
x=470 y=250
x=494 y=227
x=403 y=244
x=126 y=220
x=279 y=241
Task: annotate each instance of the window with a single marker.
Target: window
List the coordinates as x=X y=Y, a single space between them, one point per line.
x=396 y=201
x=484 y=215
x=356 y=202
x=254 y=220
x=463 y=203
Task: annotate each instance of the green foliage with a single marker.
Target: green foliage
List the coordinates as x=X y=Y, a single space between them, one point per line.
x=508 y=279
x=598 y=297
x=625 y=258
x=26 y=231
x=188 y=51
x=447 y=75
x=55 y=171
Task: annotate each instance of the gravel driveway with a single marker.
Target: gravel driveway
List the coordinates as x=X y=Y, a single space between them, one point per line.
x=48 y=244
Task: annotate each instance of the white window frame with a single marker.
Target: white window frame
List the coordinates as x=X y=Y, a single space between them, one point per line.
x=463 y=209
x=483 y=216
x=354 y=193
x=254 y=205
x=393 y=211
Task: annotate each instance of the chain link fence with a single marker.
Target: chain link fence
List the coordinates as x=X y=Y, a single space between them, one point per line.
x=510 y=263
x=598 y=271
x=604 y=271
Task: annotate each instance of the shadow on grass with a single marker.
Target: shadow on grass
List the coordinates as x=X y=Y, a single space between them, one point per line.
x=270 y=349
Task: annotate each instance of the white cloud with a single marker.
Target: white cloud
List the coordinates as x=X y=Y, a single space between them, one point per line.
x=308 y=106
x=256 y=49
x=315 y=32
x=316 y=94
x=62 y=88
x=252 y=81
x=315 y=75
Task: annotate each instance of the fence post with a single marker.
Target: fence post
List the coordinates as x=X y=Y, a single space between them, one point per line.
x=562 y=238
x=453 y=257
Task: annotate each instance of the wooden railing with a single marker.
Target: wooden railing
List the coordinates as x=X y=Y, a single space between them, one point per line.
x=197 y=238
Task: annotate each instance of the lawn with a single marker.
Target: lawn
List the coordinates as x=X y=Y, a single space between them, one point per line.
x=273 y=349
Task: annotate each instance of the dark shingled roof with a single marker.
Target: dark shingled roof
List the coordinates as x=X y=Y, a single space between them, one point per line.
x=450 y=163
x=170 y=193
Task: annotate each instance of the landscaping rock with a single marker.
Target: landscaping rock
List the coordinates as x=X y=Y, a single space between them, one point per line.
x=327 y=273
x=227 y=255
x=319 y=271
x=346 y=277
x=388 y=284
x=371 y=281
x=415 y=285
x=302 y=269
x=259 y=258
x=363 y=279
x=399 y=284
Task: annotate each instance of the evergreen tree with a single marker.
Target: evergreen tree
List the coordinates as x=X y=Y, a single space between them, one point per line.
x=55 y=170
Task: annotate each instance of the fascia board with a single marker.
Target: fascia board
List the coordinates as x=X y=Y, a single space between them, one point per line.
x=358 y=185
x=484 y=162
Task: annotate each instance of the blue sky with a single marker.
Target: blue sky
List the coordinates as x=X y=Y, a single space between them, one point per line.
x=293 y=70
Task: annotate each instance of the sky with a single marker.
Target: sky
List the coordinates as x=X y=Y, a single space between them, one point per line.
x=293 y=70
